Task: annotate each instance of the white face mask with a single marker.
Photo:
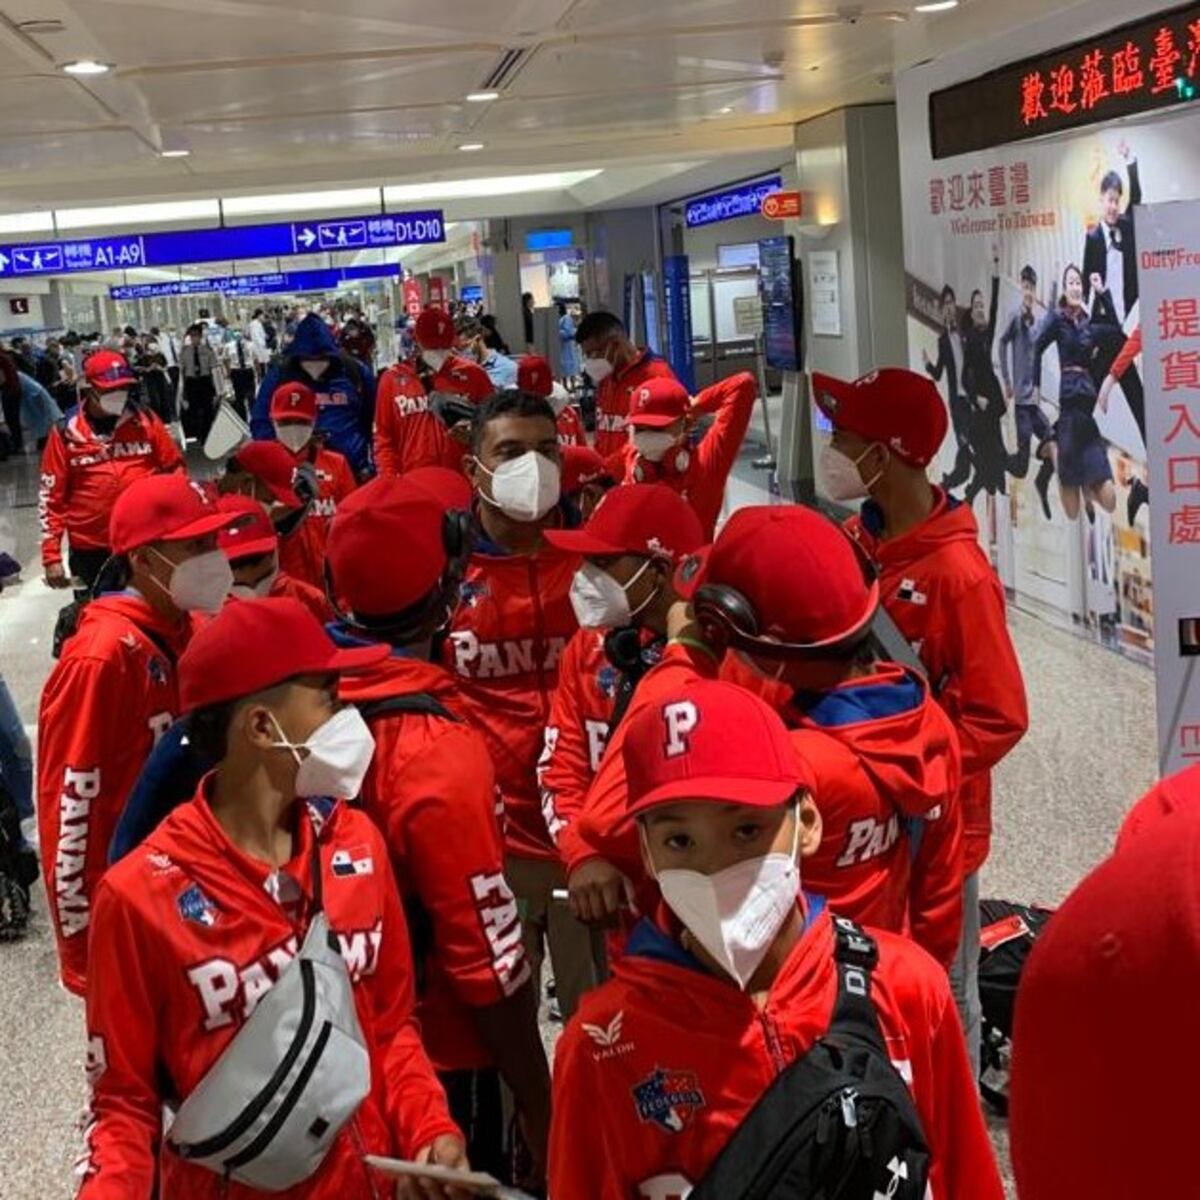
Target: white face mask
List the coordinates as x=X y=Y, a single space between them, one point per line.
x=339 y=753
x=251 y=591
x=838 y=475
x=200 y=583
x=435 y=359
x=600 y=602
x=652 y=444
x=597 y=369
x=524 y=488
x=314 y=368
x=294 y=436
x=736 y=913
x=112 y=404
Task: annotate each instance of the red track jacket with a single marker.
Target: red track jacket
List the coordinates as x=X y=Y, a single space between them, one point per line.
x=312 y=598
x=666 y=1029
x=570 y=427
x=511 y=626
x=432 y=792
x=886 y=763
x=83 y=474
x=186 y=941
x=408 y=433
x=109 y=698
x=941 y=591
x=702 y=483
x=613 y=396
x=302 y=554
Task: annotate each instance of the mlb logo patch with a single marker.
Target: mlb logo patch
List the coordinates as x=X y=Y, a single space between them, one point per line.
x=908 y=591
x=195 y=906
x=669 y=1099
x=356 y=861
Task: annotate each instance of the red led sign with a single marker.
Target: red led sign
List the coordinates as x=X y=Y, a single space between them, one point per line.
x=1141 y=67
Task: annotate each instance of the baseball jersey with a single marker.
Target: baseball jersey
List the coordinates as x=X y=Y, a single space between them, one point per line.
x=508 y=633
x=431 y=791
x=190 y=933
x=408 y=433
x=109 y=698
x=302 y=553
x=663 y=1062
x=940 y=589
x=613 y=397
x=570 y=427
x=84 y=473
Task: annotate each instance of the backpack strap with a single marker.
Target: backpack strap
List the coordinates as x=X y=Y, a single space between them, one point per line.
x=413 y=702
x=854 y=1017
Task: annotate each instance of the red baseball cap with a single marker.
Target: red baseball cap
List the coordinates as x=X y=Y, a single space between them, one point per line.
x=462 y=377
x=370 y=525
x=274 y=464
x=1104 y=1019
x=163 y=508
x=435 y=330
x=806 y=581
x=449 y=489
x=106 y=371
x=251 y=533
x=895 y=406
x=582 y=465
x=534 y=375
x=681 y=748
x=639 y=518
x=658 y=403
x=296 y=401
x=251 y=645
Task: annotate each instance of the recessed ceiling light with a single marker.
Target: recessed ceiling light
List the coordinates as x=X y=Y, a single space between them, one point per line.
x=468 y=147
x=936 y=6
x=726 y=110
x=482 y=97
x=86 y=66
x=174 y=153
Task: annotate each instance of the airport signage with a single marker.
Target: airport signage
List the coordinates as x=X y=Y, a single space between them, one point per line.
x=745 y=200
x=177 y=248
x=255 y=285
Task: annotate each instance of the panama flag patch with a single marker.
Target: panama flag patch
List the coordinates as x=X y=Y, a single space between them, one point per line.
x=355 y=861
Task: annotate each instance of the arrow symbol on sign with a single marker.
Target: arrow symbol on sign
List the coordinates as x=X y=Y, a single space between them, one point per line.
x=306 y=237
x=3 y=262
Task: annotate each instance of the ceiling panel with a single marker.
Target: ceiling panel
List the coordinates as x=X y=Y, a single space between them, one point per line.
x=35 y=104
x=73 y=154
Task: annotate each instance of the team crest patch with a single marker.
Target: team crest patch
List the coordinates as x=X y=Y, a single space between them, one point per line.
x=908 y=591
x=471 y=592
x=194 y=905
x=607 y=680
x=669 y=1099
x=357 y=861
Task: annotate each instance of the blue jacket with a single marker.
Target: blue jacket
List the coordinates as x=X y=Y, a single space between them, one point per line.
x=345 y=394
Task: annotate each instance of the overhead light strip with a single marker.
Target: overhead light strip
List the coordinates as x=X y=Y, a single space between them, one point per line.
x=138 y=214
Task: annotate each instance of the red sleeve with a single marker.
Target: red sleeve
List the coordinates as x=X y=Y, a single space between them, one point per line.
x=570 y=428
x=76 y=805
x=985 y=692
x=167 y=456
x=123 y=1121
x=618 y=463
x=52 y=497
x=385 y=422
x=416 y=1103
x=935 y=882
x=733 y=401
x=583 y=1166
x=454 y=859
x=565 y=768
x=1130 y=351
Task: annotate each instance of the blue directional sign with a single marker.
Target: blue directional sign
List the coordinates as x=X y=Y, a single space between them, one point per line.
x=742 y=201
x=255 y=285
x=179 y=247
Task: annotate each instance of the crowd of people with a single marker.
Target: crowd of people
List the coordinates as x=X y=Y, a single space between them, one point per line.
x=427 y=690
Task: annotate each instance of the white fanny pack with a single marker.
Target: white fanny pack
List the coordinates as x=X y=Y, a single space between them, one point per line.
x=267 y=1111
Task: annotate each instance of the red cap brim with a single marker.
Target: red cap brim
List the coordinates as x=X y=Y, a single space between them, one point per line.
x=825 y=386
x=285 y=495
x=719 y=789
x=357 y=658
x=579 y=541
x=653 y=420
x=112 y=385
x=690 y=573
x=250 y=549
x=194 y=529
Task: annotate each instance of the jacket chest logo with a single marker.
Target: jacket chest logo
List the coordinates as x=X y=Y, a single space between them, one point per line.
x=668 y=1099
x=909 y=592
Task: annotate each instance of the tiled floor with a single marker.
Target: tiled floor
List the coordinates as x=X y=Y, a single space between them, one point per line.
x=1059 y=799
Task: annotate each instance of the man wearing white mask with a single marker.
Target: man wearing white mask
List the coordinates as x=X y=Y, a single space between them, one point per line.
x=92 y=455
x=512 y=623
x=751 y=1043
x=113 y=693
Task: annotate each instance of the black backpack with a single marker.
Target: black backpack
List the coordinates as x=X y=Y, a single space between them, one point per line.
x=838 y=1124
x=1006 y=936
x=18 y=869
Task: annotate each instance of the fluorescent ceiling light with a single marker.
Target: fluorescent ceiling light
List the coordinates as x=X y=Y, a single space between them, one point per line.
x=482 y=97
x=498 y=185
x=86 y=66
x=469 y=147
x=936 y=6
x=346 y=199
x=174 y=153
x=27 y=222
x=136 y=214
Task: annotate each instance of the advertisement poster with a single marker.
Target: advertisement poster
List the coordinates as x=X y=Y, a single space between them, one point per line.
x=780 y=304
x=824 y=293
x=1023 y=305
x=413 y=300
x=1169 y=292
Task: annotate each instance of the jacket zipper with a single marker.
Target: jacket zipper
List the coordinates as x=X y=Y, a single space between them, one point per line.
x=774 y=1046
x=356 y=1137
x=539 y=638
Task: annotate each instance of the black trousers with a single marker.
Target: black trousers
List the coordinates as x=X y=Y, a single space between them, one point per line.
x=12 y=418
x=85 y=564
x=244 y=386
x=477 y=1109
x=200 y=395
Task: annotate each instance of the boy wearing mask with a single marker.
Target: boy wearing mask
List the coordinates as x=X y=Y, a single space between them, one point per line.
x=732 y=980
